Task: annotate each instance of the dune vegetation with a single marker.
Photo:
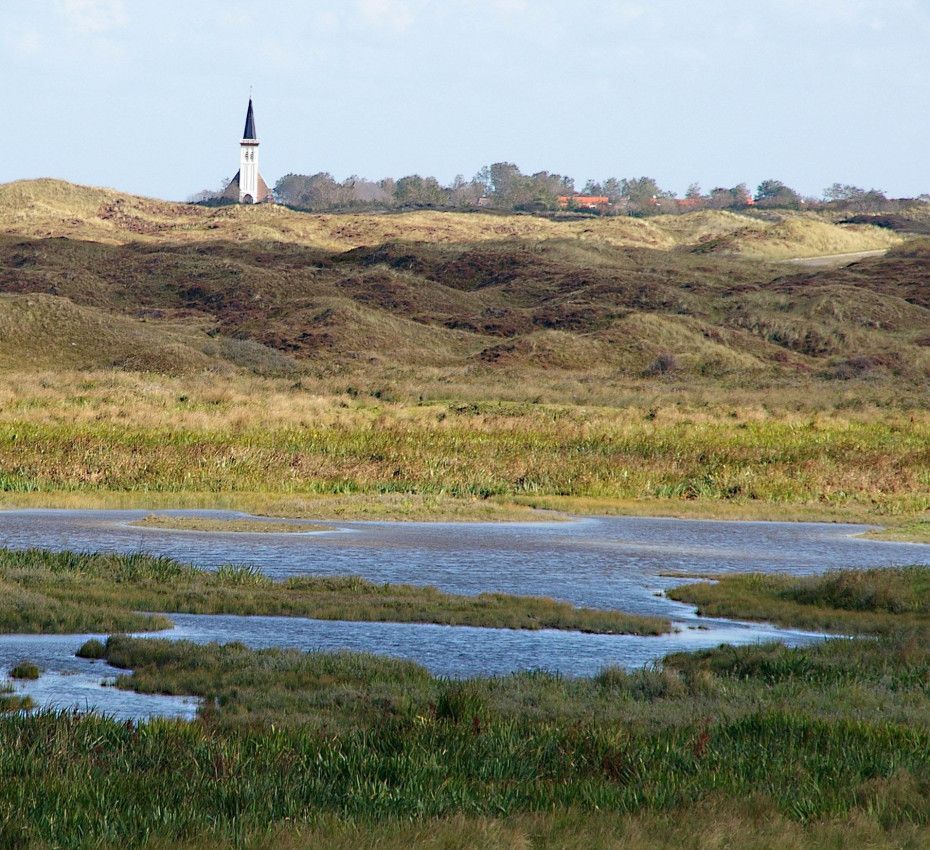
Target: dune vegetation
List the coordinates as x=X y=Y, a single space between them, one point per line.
x=54 y=208
x=63 y=592
x=268 y=289
x=443 y=365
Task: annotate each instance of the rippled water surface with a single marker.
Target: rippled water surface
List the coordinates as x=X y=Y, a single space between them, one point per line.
x=605 y=562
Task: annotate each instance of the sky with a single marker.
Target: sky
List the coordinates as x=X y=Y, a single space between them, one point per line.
x=150 y=97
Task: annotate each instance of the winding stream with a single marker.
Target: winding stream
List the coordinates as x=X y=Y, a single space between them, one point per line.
x=615 y=562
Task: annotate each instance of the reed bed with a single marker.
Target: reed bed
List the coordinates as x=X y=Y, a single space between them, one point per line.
x=882 y=466
x=313 y=449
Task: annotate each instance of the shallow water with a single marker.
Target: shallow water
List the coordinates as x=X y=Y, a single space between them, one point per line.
x=602 y=562
x=76 y=683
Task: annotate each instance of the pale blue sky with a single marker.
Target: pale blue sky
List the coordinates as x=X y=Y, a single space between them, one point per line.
x=149 y=96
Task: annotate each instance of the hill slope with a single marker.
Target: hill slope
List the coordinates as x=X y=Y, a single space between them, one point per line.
x=483 y=296
x=49 y=208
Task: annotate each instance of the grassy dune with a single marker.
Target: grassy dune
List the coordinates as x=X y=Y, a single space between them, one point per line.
x=54 y=208
x=49 y=332
x=47 y=592
x=498 y=299
x=803 y=236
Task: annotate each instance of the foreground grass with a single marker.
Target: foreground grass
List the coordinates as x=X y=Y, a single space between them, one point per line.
x=224 y=787
x=298 y=750
x=752 y=747
x=64 y=592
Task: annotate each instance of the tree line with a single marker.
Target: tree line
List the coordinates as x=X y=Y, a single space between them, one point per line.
x=502 y=186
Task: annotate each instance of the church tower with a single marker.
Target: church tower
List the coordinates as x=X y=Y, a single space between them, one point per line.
x=248 y=187
x=248 y=160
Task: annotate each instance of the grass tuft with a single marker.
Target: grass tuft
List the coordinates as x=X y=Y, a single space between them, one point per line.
x=24 y=670
x=93 y=649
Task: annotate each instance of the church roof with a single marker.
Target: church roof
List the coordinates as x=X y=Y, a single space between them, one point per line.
x=249 y=132
x=265 y=195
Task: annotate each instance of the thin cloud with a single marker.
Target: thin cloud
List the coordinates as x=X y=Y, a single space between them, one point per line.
x=868 y=14
x=95 y=17
x=392 y=15
x=25 y=43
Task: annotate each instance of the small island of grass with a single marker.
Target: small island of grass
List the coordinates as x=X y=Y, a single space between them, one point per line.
x=876 y=601
x=67 y=592
x=917 y=531
x=240 y=525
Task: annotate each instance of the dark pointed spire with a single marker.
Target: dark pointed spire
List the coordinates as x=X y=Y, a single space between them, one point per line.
x=249 y=132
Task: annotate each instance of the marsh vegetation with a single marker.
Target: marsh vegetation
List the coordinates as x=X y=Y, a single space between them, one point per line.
x=63 y=592
x=261 y=446
x=876 y=601
x=824 y=743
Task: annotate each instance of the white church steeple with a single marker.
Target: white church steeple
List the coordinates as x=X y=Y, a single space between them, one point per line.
x=248 y=161
x=247 y=187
